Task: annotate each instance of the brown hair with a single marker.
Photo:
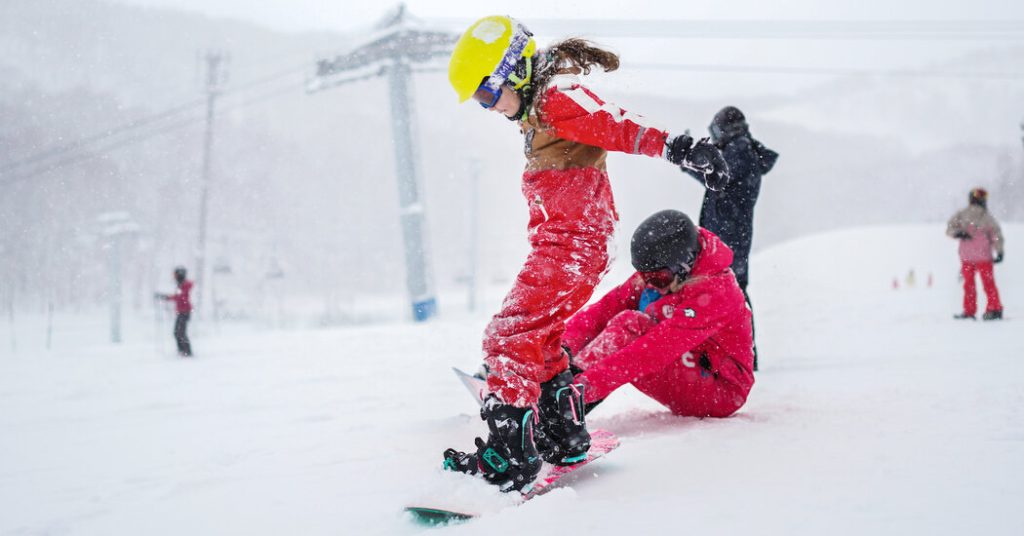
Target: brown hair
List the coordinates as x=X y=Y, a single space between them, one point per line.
x=576 y=52
x=572 y=53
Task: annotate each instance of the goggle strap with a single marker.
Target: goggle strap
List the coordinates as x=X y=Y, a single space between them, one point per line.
x=520 y=82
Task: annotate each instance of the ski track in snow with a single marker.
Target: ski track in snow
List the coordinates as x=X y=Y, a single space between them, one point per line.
x=874 y=413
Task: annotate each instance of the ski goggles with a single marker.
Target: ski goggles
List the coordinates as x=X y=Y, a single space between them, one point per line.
x=487 y=96
x=659 y=278
x=716 y=132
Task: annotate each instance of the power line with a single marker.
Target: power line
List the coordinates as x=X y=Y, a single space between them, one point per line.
x=95 y=152
x=81 y=142
x=828 y=71
x=110 y=147
x=113 y=133
x=816 y=71
x=716 y=29
x=900 y=30
x=194 y=105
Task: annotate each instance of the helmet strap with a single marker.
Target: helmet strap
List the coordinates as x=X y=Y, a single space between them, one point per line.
x=524 y=81
x=522 y=86
x=522 y=112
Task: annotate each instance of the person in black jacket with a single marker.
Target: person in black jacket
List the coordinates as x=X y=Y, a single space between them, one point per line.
x=729 y=212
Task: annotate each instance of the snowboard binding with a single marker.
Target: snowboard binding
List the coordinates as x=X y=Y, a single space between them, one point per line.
x=562 y=437
x=509 y=457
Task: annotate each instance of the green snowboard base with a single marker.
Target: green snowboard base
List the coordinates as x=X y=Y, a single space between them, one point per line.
x=436 y=516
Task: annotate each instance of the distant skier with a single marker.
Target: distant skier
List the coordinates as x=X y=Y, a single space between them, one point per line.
x=729 y=212
x=568 y=131
x=183 y=308
x=979 y=235
x=678 y=329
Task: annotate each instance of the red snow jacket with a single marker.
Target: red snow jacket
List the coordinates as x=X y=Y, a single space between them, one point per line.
x=572 y=217
x=182 y=303
x=571 y=127
x=703 y=330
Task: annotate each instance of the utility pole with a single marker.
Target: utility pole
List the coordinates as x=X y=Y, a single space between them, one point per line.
x=213 y=83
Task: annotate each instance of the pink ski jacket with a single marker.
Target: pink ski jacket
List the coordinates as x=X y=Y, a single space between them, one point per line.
x=705 y=327
x=984 y=231
x=182 y=303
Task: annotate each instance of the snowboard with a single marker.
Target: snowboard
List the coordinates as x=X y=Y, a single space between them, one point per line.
x=551 y=476
x=476 y=385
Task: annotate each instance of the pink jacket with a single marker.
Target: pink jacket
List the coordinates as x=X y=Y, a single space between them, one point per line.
x=984 y=231
x=707 y=320
x=182 y=303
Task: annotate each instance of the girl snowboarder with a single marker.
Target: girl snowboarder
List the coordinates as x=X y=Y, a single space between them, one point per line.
x=568 y=131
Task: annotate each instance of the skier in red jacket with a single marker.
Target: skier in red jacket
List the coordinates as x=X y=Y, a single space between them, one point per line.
x=678 y=329
x=568 y=130
x=183 y=308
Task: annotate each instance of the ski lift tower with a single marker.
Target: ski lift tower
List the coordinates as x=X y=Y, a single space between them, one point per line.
x=399 y=43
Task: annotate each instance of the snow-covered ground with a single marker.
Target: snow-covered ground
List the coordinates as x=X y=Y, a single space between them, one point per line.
x=874 y=413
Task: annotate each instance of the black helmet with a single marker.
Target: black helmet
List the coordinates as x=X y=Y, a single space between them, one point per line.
x=728 y=123
x=666 y=239
x=179 y=273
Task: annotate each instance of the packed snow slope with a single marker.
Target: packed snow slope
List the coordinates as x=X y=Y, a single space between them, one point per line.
x=874 y=413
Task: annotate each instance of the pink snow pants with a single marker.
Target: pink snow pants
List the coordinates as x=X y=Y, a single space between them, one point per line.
x=988 y=282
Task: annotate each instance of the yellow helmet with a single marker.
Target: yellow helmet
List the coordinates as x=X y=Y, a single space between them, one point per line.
x=490 y=48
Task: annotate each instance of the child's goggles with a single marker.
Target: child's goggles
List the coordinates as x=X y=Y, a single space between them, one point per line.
x=487 y=96
x=659 y=278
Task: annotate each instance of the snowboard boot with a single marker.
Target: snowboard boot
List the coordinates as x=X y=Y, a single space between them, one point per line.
x=562 y=436
x=965 y=316
x=576 y=371
x=509 y=457
x=992 y=315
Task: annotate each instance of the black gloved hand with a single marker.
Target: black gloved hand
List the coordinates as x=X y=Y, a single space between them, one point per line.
x=998 y=259
x=961 y=235
x=708 y=160
x=158 y=296
x=678 y=148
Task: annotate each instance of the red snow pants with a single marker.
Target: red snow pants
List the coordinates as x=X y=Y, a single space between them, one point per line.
x=572 y=220
x=988 y=282
x=683 y=386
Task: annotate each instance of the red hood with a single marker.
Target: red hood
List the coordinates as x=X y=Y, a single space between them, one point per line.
x=714 y=255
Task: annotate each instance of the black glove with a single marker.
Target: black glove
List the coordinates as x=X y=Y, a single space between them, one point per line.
x=678 y=148
x=961 y=235
x=158 y=296
x=706 y=159
x=998 y=259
